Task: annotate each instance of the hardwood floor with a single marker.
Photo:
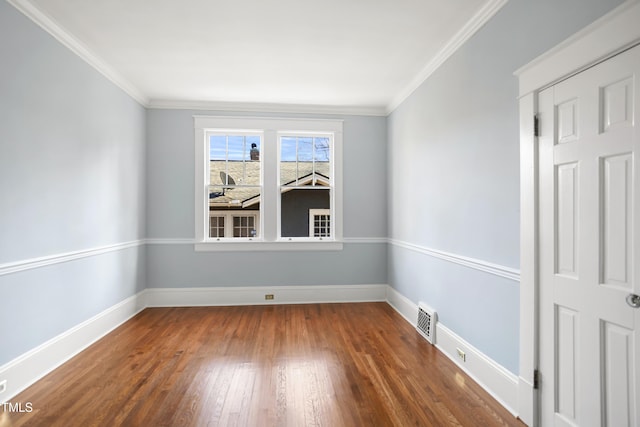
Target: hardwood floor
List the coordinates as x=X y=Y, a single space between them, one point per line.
x=285 y=365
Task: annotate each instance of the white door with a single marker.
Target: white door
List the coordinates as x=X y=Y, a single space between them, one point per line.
x=589 y=193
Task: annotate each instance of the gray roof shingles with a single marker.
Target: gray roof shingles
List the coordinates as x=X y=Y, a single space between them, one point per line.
x=242 y=187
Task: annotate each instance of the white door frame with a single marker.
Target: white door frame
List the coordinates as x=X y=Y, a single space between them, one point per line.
x=616 y=31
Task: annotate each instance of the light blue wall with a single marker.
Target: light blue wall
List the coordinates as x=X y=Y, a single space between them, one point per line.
x=176 y=266
x=72 y=177
x=454 y=173
x=170 y=203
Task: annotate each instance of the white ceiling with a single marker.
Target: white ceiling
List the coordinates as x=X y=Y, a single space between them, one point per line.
x=366 y=55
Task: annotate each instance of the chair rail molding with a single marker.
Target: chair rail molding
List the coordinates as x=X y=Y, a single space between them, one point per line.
x=28 y=264
x=476 y=264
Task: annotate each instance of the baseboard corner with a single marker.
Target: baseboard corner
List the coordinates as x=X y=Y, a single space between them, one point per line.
x=23 y=371
x=496 y=380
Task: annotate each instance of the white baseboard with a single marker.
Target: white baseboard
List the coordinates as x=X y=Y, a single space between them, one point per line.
x=490 y=375
x=403 y=305
x=25 y=370
x=255 y=295
x=493 y=377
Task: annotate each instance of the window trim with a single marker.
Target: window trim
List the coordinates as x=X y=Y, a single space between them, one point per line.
x=271 y=129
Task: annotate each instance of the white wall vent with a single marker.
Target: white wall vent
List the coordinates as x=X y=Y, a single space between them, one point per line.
x=426 y=325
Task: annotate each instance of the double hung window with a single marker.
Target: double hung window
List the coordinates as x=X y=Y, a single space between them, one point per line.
x=235 y=184
x=305 y=182
x=268 y=183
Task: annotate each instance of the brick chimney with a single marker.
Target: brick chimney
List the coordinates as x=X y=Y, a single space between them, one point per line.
x=254 y=153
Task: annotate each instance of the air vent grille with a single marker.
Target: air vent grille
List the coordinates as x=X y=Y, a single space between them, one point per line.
x=426 y=324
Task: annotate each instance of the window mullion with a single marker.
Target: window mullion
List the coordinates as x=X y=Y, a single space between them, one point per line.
x=313 y=161
x=270 y=187
x=297 y=161
x=228 y=225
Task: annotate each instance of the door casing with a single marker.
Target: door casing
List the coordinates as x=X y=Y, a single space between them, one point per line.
x=603 y=39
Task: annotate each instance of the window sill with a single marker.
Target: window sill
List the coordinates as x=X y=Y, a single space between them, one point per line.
x=257 y=246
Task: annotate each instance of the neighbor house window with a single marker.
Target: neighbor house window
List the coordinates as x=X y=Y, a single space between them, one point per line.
x=320 y=222
x=217 y=225
x=268 y=183
x=228 y=224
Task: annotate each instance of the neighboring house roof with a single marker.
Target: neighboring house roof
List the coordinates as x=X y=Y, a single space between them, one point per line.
x=231 y=182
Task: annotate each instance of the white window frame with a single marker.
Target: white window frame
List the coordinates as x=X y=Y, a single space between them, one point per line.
x=230 y=214
x=330 y=187
x=269 y=218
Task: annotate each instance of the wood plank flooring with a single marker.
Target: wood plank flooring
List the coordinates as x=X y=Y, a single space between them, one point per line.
x=281 y=365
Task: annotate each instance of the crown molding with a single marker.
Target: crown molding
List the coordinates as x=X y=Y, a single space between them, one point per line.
x=604 y=38
x=48 y=24
x=475 y=23
x=267 y=107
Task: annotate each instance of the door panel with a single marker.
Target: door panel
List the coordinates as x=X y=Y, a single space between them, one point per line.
x=590 y=246
x=567 y=324
x=618 y=372
x=616 y=221
x=567 y=205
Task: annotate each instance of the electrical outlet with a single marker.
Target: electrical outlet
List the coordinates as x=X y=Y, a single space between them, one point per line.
x=461 y=355
x=268 y=296
x=3 y=386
